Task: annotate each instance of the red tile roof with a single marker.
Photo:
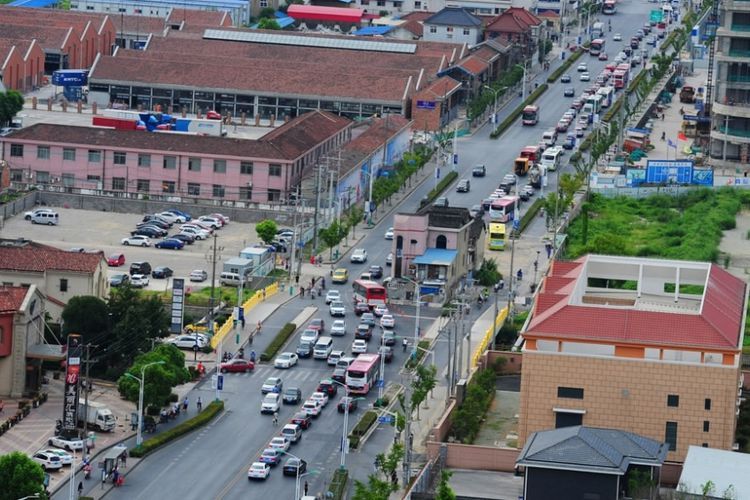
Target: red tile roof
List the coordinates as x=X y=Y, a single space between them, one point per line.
x=194 y=17
x=718 y=325
x=413 y=26
x=549 y=13
x=473 y=65
x=11 y=298
x=443 y=86
x=298 y=136
x=514 y=20
x=29 y=256
x=140 y=24
x=417 y=16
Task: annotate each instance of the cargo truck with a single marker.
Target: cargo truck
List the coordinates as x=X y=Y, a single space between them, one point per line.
x=98 y=415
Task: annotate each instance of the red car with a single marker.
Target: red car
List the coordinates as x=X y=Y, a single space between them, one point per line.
x=116 y=260
x=327 y=386
x=237 y=366
x=302 y=419
x=317 y=324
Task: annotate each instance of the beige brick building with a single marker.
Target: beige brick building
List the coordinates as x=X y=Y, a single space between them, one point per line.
x=642 y=345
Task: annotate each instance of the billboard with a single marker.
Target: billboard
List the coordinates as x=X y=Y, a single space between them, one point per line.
x=703 y=176
x=72 y=376
x=178 y=305
x=669 y=171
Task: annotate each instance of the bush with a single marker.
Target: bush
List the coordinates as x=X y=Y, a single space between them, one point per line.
x=201 y=419
x=487 y=274
x=359 y=430
x=338 y=484
x=469 y=415
x=517 y=112
x=278 y=342
x=435 y=192
x=531 y=213
x=413 y=362
x=564 y=66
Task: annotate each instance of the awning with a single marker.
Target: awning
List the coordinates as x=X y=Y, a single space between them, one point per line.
x=436 y=257
x=46 y=352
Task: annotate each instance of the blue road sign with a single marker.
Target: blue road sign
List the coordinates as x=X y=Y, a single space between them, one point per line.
x=516 y=224
x=381 y=383
x=220 y=382
x=385 y=419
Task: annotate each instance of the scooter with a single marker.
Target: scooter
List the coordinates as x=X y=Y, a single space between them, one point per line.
x=87 y=471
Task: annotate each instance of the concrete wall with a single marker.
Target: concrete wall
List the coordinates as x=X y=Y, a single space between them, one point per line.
x=20 y=205
x=512 y=365
x=466 y=456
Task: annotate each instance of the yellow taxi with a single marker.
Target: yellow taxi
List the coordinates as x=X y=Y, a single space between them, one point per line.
x=340 y=275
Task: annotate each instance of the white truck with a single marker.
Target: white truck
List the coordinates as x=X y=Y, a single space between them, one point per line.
x=98 y=415
x=597 y=30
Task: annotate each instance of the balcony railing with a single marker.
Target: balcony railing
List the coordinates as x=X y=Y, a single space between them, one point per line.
x=740 y=27
x=739 y=78
x=739 y=53
x=737 y=132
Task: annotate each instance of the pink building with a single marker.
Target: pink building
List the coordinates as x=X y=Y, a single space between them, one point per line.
x=170 y=166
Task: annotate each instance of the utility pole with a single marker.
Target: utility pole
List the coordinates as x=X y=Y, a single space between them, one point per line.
x=317 y=207
x=407 y=435
x=514 y=236
x=331 y=214
x=211 y=299
x=294 y=240
x=88 y=389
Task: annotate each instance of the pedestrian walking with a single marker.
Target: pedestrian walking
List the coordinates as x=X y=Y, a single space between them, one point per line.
x=275 y=418
x=80 y=489
x=663 y=136
x=264 y=294
x=185 y=403
x=306 y=486
x=302 y=291
x=199 y=403
x=124 y=459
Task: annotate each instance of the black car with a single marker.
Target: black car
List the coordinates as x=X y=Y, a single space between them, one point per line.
x=328 y=387
x=162 y=272
x=186 y=238
x=150 y=231
x=153 y=222
x=569 y=92
x=302 y=419
x=346 y=401
x=119 y=280
x=156 y=217
x=140 y=268
x=294 y=467
x=565 y=78
x=479 y=171
x=376 y=272
x=291 y=396
x=304 y=349
x=361 y=308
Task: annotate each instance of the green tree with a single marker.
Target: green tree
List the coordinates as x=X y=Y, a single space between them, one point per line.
x=86 y=315
x=356 y=213
x=488 y=275
x=11 y=102
x=266 y=230
x=444 y=491
x=424 y=380
x=159 y=379
x=20 y=476
x=388 y=463
x=267 y=13
x=374 y=489
x=267 y=23
x=332 y=235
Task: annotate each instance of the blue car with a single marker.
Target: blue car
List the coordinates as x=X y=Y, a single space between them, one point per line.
x=270 y=456
x=570 y=142
x=181 y=213
x=171 y=244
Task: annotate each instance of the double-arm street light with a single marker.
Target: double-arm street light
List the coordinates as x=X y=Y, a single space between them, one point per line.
x=345 y=430
x=495 y=92
x=139 y=436
x=298 y=476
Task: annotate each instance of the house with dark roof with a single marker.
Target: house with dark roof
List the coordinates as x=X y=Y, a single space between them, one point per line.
x=647 y=346
x=453 y=25
x=518 y=26
x=571 y=463
x=22 y=345
x=436 y=248
x=58 y=274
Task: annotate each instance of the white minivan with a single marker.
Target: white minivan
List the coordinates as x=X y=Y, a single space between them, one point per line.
x=46 y=218
x=229 y=279
x=323 y=348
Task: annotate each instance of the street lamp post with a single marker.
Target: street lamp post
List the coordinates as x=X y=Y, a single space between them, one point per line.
x=139 y=436
x=345 y=430
x=495 y=92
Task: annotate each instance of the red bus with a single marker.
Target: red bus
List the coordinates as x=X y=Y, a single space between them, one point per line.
x=530 y=115
x=609 y=8
x=363 y=373
x=596 y=47
x=369 y=292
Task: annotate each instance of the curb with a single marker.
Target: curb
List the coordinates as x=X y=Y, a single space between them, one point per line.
x=372 y=428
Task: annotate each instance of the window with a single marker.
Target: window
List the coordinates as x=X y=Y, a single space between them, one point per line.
x=69 y=154
x=118 y=183
x=246 y=193
x=167 y=186
x=42 y=177
x=707 y=404
x=16 y=175
x=467 y=32
x=381 y=3
x=433 y=29
x=220 y=166
x=246 y=167
x=194 y=189
x=706 y=425
x=63 y=285
x=567 y=419
x=144 y=160
x=263 y=4
x=449 y=29
x=670 y=435
x=441 y=241
x=143 y=185
x=673 y=400
x=93 y=178
x=570 y=392
x=417 y=5
x=95 y=156
x=69 y=180
x=120 y=157
x=170 y=162
x=274 y=170
x=42 y=152
x=218 y=191
x=194 y=164
x=274 y=195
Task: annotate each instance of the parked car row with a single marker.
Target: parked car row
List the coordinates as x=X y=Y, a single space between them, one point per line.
x=159 y=224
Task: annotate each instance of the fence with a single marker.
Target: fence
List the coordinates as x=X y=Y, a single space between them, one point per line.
x=249 y=304
x=17 y=206
x=644 y=192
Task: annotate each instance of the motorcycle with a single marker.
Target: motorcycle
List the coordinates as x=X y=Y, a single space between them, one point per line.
x=86 y=471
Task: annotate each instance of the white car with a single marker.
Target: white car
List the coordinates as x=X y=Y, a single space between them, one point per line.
x=311 y=408
x=172 y=217
x=617 y=37
x=389 y=234
x=510 y=179
x=258 y=470
x=66 y=444
x=65 y=457
x=198 y=233
x=389 y=259
x=332 y=296
x=139 y=280
x=210 y=221
x=585 y=77
x=48 y=461
x=30 y=215
x=582 y=67
x=359 y=346
x=139 y=240
x=280 y=443
x=337 y=309
x=270 y=403
x=189 y=342
x=380 y=310
x=320 y=397
x=198 y=275
x=387 y=321
x=338 y=327
x=285 y=360
x=359 y=255
x=334 y=357
x=309 y=335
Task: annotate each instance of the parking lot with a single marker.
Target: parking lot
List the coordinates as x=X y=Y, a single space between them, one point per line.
x=94 y=231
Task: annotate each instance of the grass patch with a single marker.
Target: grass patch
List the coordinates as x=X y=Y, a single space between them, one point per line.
x=517 y=112
x=338 y=484
x=565 y=66
x=359 y=430
x=201 y=419
x=278 y=341
x=687 y=227
x=201 y=297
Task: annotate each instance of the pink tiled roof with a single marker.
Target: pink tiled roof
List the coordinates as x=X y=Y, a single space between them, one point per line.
x=374 y=137
x=717 y=326
x=413 y=26
x=473 y=65
x=11 y=298
x=35 y=257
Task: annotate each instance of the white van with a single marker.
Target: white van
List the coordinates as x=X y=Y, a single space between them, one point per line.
x=550 y=137
x=46 y=218
x=229 y=279
x=551 y=158
x=323 y=348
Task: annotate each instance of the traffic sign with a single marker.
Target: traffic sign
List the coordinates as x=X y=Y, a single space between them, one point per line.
x=381 y=383
x=220 y=382
x=385 y=419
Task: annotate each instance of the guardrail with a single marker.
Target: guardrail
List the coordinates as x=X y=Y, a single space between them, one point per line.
x=249 y=304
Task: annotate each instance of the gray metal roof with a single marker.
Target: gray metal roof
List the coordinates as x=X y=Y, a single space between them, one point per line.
x=454 y=16
x=591 y=449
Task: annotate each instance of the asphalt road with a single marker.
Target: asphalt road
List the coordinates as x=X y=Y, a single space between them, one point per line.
x=213 y=462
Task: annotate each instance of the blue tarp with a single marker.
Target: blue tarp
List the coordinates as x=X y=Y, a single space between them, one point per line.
x=373 y=31
x=282 y=19
x=34 y=4
x=436 y=257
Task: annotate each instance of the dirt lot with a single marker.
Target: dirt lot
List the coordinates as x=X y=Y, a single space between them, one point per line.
x=105 y=230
